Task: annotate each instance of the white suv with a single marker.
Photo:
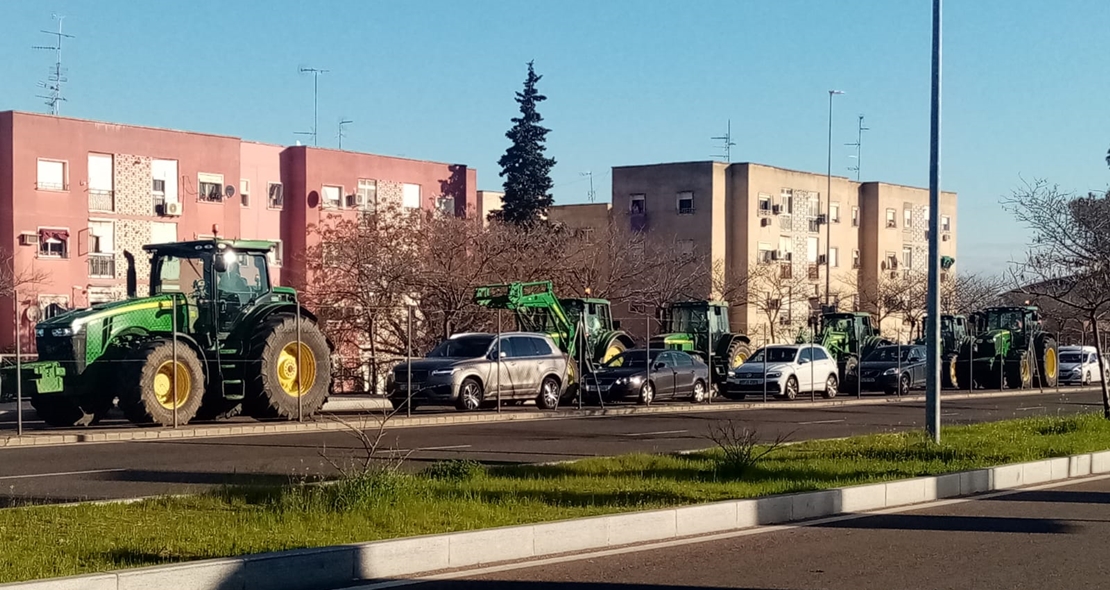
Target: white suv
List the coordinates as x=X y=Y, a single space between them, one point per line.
x=787 y=371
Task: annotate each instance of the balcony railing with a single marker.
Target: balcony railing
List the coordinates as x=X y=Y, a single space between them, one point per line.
x=102 y=200
x=102 y=266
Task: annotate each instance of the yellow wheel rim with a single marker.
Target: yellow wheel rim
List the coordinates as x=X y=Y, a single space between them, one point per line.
x=164 y=388
x=288 y=369
x=1025 y=371
x=612 y=351
x=738 y=359
x=1050 y=363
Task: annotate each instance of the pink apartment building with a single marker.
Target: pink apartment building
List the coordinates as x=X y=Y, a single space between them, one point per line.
x=78 y=197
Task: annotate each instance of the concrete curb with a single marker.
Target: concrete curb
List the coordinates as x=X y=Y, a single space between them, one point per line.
x=49 y=438
x=331 y=567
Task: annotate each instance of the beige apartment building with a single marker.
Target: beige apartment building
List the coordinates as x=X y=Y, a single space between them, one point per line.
x=766 y=227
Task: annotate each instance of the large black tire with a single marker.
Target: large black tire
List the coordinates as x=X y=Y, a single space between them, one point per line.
x=146 y=392
x=471 y=395
x=271 y=370
x=988 y=375
x=550 y=394
x=790 y=389
x=737 y=351
x=1019 y=372
x=964 y=376
x=64 y=410
x=949 y=372
x=1048 y=361
x=830 y=387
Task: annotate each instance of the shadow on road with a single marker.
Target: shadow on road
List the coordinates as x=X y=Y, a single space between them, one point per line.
x=1051 y=496
x=972 y=524
x=512 y=584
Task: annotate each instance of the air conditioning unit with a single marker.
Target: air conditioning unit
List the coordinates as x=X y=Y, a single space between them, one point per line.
x=28 y=239
x=822 y=259
x=774 y=255
x=776 y=210
x=821 y=219
x=945 y=237
x=171 y=209
x=765 y=222
x=356 y=201
x=894 y=274
x=788 y=256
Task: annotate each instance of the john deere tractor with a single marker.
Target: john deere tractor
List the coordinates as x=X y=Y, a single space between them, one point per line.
x=239 y=345
x=1012 y=349
x=848 y=336
x=702 y=328
x=583 y=328
x=955 y=336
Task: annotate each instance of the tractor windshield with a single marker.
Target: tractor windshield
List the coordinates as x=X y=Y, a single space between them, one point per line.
x=173 y=274
x=687 y=320
x=1010 y=319
x=245 y=278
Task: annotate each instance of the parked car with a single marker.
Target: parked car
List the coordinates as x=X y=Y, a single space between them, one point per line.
x=467 y=370
x=673 y=374
x=1079 y=365
x=893 y=369
x=786 y=371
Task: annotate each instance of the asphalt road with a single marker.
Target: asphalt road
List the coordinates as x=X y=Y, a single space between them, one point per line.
x=1036 y=539
x=142 y=468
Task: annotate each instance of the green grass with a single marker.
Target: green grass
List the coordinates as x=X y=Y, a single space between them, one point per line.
x=50 y=541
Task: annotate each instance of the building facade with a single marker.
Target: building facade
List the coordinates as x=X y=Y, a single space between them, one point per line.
x=78 y=199
x=781 y=239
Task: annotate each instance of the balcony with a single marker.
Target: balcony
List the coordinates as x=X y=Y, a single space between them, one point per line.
x=102 y=200
x=102 y=266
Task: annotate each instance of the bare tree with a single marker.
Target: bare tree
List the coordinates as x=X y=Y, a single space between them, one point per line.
x=13 y=279
x=781 y=294
x=1069 y=255
x=962 y=294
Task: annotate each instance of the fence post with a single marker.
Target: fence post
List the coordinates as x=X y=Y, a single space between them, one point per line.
x=408 y=361
x=971 y=367
x=498 y=361
x=173 y=328
x=300 y=368
x=18 y=375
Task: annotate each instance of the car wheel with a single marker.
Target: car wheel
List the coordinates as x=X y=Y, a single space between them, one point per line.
x=790 y=390
x=470 y=395
x=700 y=392
x=830 y=387
x=904 y=384
x=1087 y=379
x=647 y=394
x=549 y=394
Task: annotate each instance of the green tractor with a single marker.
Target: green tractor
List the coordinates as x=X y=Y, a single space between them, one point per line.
x=1011 y=349
x=955 y=336
x=212 y=338
x=702 y=328
x=848 y=336
x=583 y=328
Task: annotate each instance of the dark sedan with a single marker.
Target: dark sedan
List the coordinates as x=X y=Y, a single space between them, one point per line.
x=674 y=374
x=893 y=369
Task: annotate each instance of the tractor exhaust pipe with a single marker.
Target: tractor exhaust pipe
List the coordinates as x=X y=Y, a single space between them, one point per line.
x=132 y=279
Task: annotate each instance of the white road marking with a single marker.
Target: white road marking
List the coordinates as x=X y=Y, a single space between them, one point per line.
x=950 y=414
x=655 y=433
x=821 y=422
x=759 y=530
x=1030 y=408
x=449 y=448
x=62 y=473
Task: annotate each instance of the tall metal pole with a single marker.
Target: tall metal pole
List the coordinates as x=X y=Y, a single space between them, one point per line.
x=932 y=385
x=408 y=359
x=315 y=109
x=828 y=206
x=173 y=322
x=18 y=373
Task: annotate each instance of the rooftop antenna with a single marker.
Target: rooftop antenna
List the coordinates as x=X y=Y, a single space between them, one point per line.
x=315 y=101
x=342 y=122
x=590 y=195
x=728 y=143
x=53 y=83
x=858 y=145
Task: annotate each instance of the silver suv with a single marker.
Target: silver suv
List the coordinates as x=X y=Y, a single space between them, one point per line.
x=466 y=371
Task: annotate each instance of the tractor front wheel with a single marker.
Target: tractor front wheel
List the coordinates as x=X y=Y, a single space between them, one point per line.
x=738 y=352
x=149 y=391
x=1048 y=361
x=286 y=378
x=949 y=375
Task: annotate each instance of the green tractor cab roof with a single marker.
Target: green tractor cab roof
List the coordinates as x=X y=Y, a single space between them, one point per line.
x=185 y=249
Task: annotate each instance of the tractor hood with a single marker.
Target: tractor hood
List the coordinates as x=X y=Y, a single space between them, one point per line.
x=672 y=340
x=77 y=318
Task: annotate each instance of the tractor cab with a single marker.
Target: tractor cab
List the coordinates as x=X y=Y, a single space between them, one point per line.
x=845 y=330
x=693 y=325
x=1019 y=321
x=596 y=318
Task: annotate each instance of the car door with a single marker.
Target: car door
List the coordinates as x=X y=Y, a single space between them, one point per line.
x=684 y=374
x=505 y=370
x=824 y=365
x=521 y=367
x=662 y=373
x=806 y=371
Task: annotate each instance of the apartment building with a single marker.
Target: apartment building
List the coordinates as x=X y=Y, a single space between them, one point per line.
x=78 y=198
x=779 y=235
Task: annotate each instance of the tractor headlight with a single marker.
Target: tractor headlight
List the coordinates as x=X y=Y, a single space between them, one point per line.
x=890 y=371
x=61 y=332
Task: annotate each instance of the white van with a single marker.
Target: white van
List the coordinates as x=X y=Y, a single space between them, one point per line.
x=1079 y=365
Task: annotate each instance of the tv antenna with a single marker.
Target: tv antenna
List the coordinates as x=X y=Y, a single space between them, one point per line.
x=57 y=76
x=728 y=143
x=342 y=122
x=315 y=101
x=858 y=145
x=590 y=195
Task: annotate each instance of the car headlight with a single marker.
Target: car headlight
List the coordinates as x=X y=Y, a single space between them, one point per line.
x=774 y=374
x=61 y=332
x=890 y=371
x=444 y=372
x=636 y=380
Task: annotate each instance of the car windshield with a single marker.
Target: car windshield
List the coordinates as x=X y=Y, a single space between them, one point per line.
x=631 y=358
x=1071 y=357
x=466 y=347
x=774 y=355
x=889 y=354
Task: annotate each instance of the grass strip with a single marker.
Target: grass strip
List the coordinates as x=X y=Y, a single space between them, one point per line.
x=49 y=541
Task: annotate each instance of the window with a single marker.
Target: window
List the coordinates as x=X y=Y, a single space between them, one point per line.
x=819 y=355
x=907 y=219
x=907 y=257
x=787 y=198
x=210 y=188
x=806 y=354
x=766 y=253
x=685 y=203
x=683 y=360
x=164 y=176
x=509 y=348
x=834 y=212
x=53 y=243
x=811 y=250
x=686 y=247
x=101 y=237
x=276 y=254
x=162 y=232
x=786 y=247
x=275 y=195
x=855 y=259
x=834 y=257
x=100 y=183
x=855 y=216
x=52 y=176
x=586 y=234
x=367 y=194
x=637 y=205
x=331 y=197
x=891 y=218
x=245 y=192
x=410 y=196
x=541 y=347
x=945 y=223
x=891 y=262
x=764 y=204
x=158 y=194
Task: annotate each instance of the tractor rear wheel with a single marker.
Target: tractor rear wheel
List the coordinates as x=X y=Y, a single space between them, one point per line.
x=276 y=365
x=64 y=410
x=148 y=391
x=738 y=352
x=949 y=375
x=615 y=347
x=1047 y=359
x=1019 y=371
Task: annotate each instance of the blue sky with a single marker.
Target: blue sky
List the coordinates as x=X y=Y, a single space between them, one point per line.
x=1025 y=83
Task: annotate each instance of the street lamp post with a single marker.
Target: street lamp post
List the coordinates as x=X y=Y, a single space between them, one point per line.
x=828 y=207
x=932 y=371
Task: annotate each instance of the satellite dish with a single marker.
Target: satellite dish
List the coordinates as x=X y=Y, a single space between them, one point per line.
x=33 y=313
x=229 y=191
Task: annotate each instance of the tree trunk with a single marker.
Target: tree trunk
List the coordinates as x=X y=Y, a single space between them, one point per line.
x=1102 y=372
